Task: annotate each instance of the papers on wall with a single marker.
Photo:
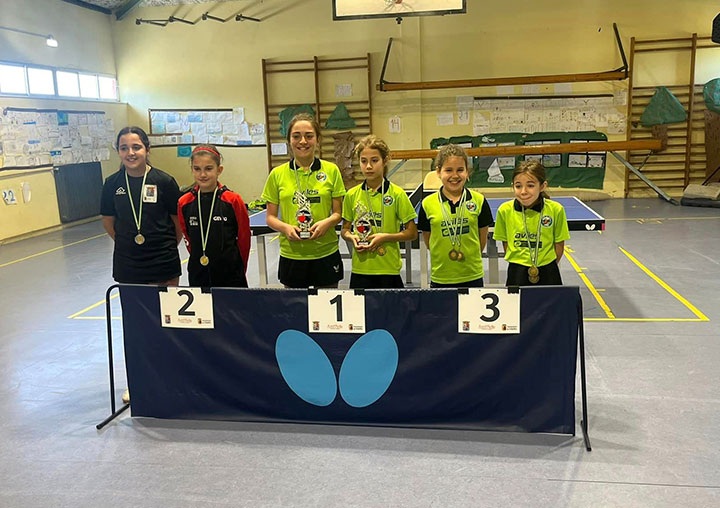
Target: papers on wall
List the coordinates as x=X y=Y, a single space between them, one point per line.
x=279 y=148
x=225 y=127
x=36 y=138
x=445 y=118
x=549 y=114
x=395 y=124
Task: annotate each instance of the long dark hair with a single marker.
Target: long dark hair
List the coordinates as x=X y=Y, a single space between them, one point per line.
x=133 y=130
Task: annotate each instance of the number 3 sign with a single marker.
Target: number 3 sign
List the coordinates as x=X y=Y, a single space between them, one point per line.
x=483 y=310
x=186 y=308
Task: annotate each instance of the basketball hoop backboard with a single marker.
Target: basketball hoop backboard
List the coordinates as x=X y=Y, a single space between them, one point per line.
x=364 y=9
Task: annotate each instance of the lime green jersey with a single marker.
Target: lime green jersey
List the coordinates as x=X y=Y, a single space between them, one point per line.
x=390 y=208
x=464 y=223
x=548 y=216
x=320 y=184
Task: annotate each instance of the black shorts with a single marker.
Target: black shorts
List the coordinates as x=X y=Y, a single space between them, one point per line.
x=517 y=275
x=477 y=283
x=361 y=281
x=297 y=273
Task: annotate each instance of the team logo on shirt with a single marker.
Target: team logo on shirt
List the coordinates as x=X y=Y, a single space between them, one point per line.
x=321 y=177
x=388 y=200
x=120 y=191
x=471 y=206
x=546 y=221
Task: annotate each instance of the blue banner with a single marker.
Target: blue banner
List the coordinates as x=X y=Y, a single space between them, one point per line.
x=411 y=369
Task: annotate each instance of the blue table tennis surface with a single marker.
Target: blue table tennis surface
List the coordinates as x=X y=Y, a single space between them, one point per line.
x=580 y=217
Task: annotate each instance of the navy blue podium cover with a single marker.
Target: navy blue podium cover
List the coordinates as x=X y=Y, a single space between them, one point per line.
x=411 y=369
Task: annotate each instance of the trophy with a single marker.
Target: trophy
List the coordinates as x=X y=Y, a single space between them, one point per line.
x=303 y=216
x=363 y=226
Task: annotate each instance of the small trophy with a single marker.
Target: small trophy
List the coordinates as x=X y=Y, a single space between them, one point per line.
x=303 y=216
x=363 y=226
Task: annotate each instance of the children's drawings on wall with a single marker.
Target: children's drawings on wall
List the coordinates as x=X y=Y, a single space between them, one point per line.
x=32 y=138
x=227 y=127
x=573 y=114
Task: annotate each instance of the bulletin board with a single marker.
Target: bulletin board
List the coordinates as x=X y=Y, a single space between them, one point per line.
x=571 y=170
x=220 y=127
x=34 y=138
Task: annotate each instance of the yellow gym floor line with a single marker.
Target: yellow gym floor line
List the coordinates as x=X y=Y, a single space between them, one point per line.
x=79 y=314
x=51 y=250
x=635 y=219
x=600 y=300
x=664 y=285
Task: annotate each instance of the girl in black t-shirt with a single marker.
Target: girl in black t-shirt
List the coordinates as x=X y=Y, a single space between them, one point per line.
x=139 y=212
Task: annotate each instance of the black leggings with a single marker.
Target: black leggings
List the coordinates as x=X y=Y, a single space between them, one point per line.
x=517 y=275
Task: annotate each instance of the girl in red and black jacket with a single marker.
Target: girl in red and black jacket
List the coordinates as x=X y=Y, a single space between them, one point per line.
x=215 y=223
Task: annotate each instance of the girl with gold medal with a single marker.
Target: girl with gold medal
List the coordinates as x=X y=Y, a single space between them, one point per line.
x=533 y=229
x=215 y=223
x=455 y=222
x=377 y=216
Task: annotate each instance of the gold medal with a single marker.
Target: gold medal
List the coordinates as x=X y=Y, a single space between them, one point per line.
x=534 y=279
x=460 y=256
x=204 y=260
x=533 y=271
x=139 y=239
x=453 y=255
x=381 y=251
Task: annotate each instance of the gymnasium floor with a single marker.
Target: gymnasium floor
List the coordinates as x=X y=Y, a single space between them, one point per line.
x=653 y=351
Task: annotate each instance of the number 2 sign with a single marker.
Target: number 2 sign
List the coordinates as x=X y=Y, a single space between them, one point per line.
x=484 y=310
x=186 y=308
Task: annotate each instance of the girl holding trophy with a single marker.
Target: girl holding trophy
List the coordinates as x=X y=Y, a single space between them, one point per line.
x=304 y=201
x=377 y=216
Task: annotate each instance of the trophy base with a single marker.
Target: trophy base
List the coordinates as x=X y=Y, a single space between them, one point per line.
x=363 y=243
x=304 y=235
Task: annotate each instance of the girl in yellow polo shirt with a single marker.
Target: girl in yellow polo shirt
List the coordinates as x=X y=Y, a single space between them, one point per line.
x=533 y=229
x=304 y=204
x=455 y=222
x=377 y=216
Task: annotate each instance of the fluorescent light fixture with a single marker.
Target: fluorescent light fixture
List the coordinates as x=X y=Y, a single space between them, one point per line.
x=49 y=39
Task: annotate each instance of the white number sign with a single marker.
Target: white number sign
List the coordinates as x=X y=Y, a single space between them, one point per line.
x=484 y=310
x=186 y=308
x=336 y=311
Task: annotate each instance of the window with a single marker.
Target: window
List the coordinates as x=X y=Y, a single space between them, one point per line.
x=20 y=79
x=89 y=86
x=12 y=79
x=108 y=88
x=41 y=81
x=68 y=84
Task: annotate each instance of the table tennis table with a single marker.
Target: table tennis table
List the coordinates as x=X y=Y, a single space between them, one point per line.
x=580 y=217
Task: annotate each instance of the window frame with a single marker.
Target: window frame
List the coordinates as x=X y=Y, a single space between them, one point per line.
x=57 y=96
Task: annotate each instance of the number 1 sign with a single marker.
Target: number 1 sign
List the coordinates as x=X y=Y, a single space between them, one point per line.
x=336 y=311
x=483 y=310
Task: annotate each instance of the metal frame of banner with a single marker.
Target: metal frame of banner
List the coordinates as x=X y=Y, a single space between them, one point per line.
x=583 y=388
x=108 y=319
x=114 y=413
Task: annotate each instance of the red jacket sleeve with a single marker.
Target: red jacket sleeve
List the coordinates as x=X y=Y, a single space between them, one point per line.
x=184 y=200
x=243 y=221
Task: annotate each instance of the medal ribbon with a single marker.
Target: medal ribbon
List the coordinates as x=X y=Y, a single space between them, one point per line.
x=456 y=232
x=136 y=216
x=205 y=233
x=533 y=255
x=382 y=207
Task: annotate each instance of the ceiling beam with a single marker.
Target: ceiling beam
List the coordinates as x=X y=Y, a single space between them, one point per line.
x=125 y=9
x=86 y=5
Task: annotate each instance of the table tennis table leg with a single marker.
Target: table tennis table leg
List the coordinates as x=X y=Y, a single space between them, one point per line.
x=424 y=283
x=493 y=264
x=408 y=262
x=262 y=260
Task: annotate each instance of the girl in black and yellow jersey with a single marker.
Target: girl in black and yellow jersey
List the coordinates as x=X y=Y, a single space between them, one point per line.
x=455 y=222
x=377 y=216
x=533 y=229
